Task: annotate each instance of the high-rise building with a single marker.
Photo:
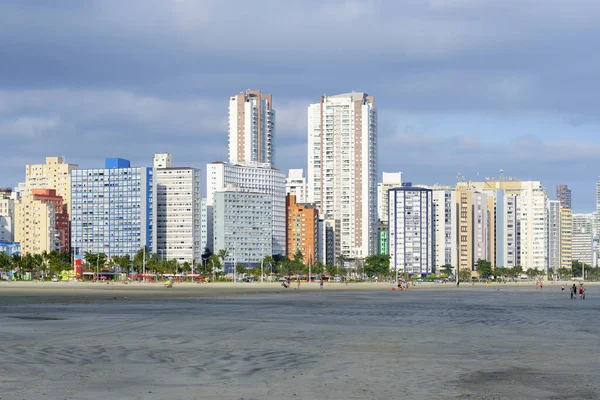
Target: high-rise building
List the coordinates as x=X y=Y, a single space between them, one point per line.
x=295 y=184
x=506 y=234
x=563 y=195
x=178 y=211
x=55 y=174
x=259 y=178
x=582 y=249
x=18 y=191
x=7 y=217
x=302 y=230
x=36 y=224
x=383 y=238
x=389 y=180
x=251 y=128
x=112 y=209
x=342 y=165
x=533 y=226
x=475 y=224
x=242 y=226
x=206 y=225
x=554 y=228
x=444 y=225
x=326 y=241
x=566 y=238
x=411 y=230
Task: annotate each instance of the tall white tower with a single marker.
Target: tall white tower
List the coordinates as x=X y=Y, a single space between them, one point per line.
x=251 y=128
x=342 y=164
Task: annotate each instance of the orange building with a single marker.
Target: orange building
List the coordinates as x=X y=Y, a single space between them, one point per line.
x=49 y=196
x=302 y=230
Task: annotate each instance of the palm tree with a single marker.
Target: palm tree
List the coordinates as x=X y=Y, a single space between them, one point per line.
x=223 y=254
x=4 y=262
x=270 y=261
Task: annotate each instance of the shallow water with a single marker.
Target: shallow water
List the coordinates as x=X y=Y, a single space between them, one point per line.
x=447 y=343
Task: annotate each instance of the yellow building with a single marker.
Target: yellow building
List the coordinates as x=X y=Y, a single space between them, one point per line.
x=566 y=237
x=35 y=225
x=475 y=225
x=55 y=174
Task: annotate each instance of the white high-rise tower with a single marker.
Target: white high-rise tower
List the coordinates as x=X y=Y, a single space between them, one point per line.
x=342 y=165
x=251 y=128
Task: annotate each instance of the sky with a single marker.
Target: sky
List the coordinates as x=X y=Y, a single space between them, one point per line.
x=461 y=86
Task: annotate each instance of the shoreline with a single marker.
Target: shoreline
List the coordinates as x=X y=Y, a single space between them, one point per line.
x=74 y=291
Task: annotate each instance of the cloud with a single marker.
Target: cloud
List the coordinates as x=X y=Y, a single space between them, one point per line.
x=88 y=79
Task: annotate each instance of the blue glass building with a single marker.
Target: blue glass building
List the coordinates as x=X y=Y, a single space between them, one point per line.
x=111 y=209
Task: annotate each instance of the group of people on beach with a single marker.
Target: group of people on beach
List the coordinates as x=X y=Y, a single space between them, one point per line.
x=402 y=285
x=287 y=283
x=573 y=289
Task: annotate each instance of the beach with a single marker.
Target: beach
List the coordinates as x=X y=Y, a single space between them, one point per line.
x=256 y=341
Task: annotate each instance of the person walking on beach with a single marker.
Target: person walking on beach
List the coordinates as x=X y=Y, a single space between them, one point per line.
x=541 y=285
x=562 y=288
x=572 y=289
x=321 y=283
x=581 y=291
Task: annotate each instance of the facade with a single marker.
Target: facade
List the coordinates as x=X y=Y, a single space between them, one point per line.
x=35 y=225
x=554 y=228
x=295 y=184
x=112 y=209
x=7 y=217
x=411 y=230
x=9 y=248
x=251 y=128
x=206 y=225
x=18 y=191
x=566 y=238
x=178 y=211
x=533 y=226
x=475 y=224
x=302 y=230
x=326 y=241
x=61 y=217
x=532 y=219
x=55 y=174
x=342 y=165
x=444 y=225
x=389 y=180
x=563 y=195
x=383 y=238
x=260 y=178
x=582 y=249
x=242 y=225
x=162 y=160
x=507 y=250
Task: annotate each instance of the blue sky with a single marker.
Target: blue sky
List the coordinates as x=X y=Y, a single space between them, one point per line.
x=470 y=86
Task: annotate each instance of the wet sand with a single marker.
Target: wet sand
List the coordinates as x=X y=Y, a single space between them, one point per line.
x=257 y=341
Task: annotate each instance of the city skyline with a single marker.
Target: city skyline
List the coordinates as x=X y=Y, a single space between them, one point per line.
x=449 y=100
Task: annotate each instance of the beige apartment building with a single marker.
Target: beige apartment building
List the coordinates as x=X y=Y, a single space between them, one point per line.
x=566 y=237
x=531 y=217
x=35 y=226
x=54 y=174
x=475 y=224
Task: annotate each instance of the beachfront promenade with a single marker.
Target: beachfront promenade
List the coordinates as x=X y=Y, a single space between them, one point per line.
x=253 y=340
